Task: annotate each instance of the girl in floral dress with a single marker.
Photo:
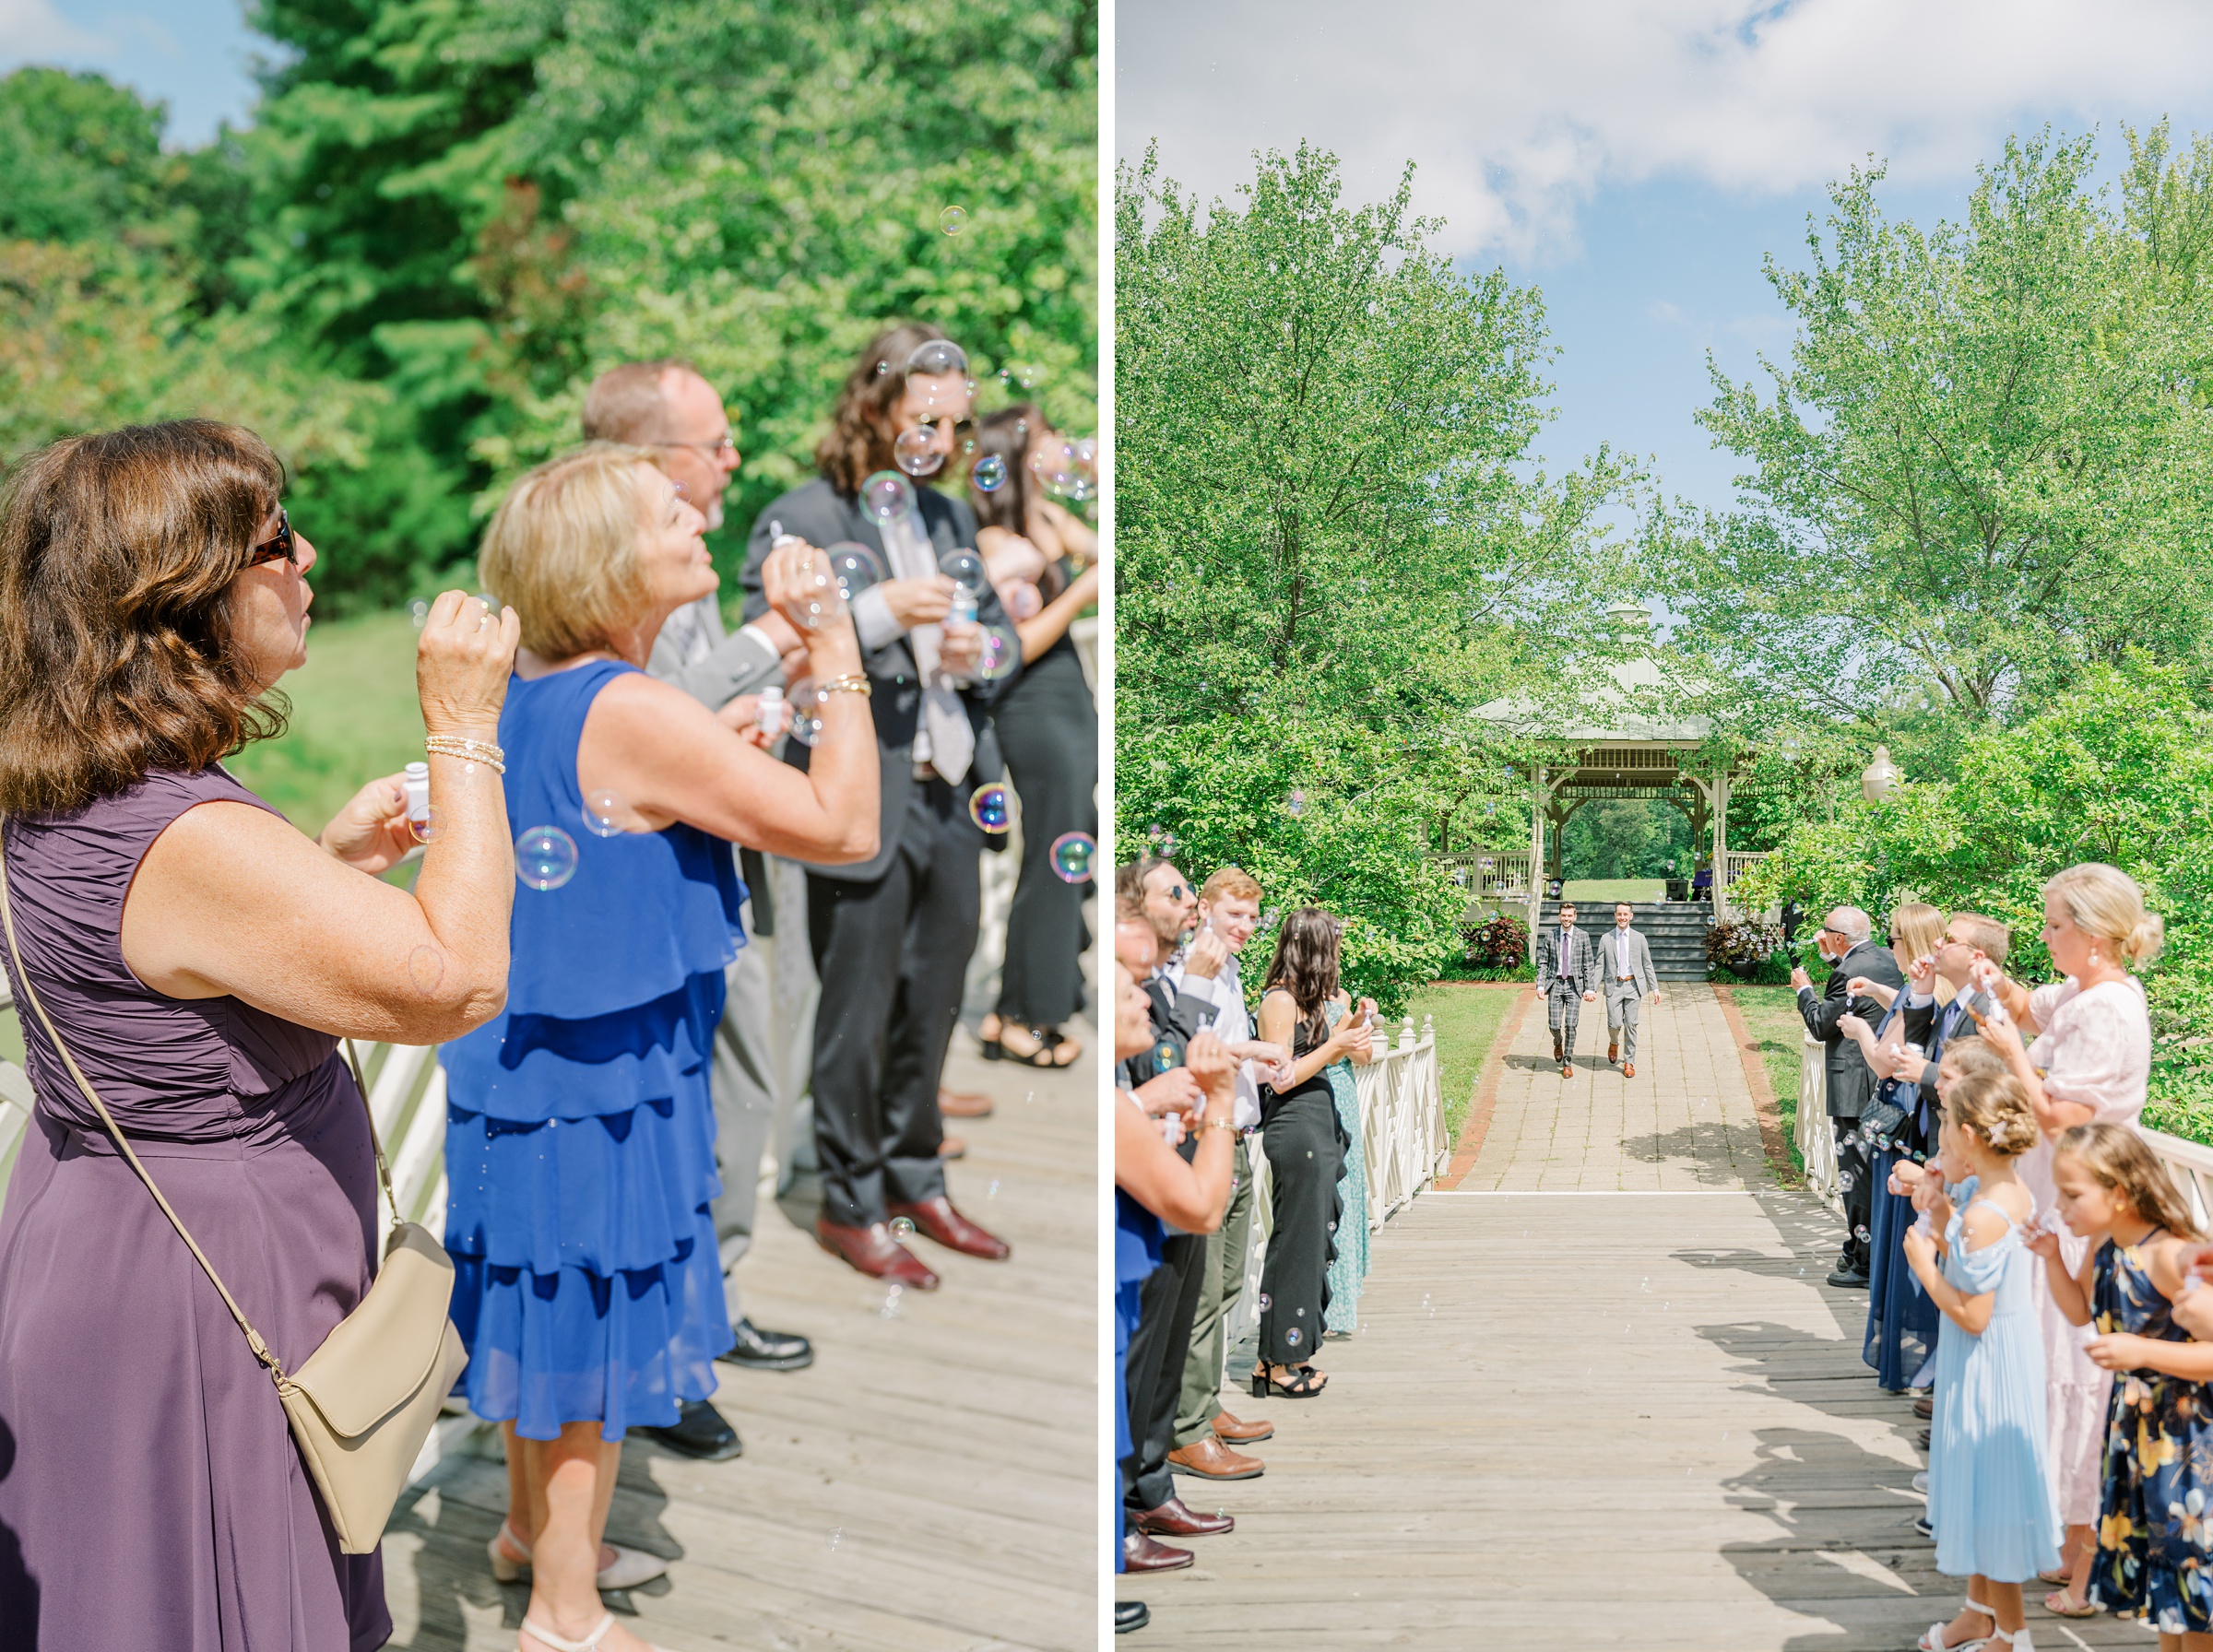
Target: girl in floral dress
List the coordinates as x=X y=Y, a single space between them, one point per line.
x=2155 y=1551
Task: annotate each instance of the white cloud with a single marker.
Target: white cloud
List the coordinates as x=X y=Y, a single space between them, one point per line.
x=33 y=31
x=1516 y=113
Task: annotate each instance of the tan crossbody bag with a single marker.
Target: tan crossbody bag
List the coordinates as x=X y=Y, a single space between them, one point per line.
x=364 y=1403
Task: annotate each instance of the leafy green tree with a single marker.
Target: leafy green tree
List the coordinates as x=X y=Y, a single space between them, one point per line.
x=1331 y=545
x=84 y=159
x=1983 y=467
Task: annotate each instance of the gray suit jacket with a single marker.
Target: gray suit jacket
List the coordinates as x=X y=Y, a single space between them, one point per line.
x=1577 y=969
x=1616 y=946
x=738 y=665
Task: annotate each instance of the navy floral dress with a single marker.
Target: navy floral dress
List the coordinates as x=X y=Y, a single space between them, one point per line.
x=2155 y=1527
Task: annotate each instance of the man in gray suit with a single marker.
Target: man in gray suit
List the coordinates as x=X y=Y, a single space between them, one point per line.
x=668 y=406
x=1626 y=980
x=1567 y=977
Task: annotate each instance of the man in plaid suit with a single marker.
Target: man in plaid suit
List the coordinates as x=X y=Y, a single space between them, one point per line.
x=1567 y=979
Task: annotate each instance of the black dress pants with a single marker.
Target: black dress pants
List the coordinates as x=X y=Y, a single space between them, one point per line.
x=1306 y=1147
x=1167 y=1304
x=1048 y=729
x=1857 y=1175
x=892 y=954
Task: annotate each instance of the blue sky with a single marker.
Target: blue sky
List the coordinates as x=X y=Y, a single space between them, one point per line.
x=1636 y=159
x=196 y=54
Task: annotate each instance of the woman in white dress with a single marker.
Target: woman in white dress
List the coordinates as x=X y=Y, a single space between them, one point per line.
x=2087 y=1064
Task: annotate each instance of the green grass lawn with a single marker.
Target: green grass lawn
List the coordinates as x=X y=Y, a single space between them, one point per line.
x=1467 y=1020
x=354 y=716
x=1771 y=1017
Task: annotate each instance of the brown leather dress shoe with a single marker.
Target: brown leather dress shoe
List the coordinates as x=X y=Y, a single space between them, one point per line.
x=1566 y=1071
x=937 y=1218
x=874 y=1252
x=963 y=1103
x=1925 y=1407
x=1210 y=1460
x=1236 y=1432
x=1173 y=1519
x=952 y=1147
x=1629 y=1071
x=1613 y=1052
x=1140 y=1553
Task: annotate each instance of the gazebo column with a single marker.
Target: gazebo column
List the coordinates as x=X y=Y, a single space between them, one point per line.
x=1540 y=799
x=1721 y=847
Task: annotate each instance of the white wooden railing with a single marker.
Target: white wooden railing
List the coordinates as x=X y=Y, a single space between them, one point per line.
x=1492 y=874
x=1402 y=1132
x=1742 y=861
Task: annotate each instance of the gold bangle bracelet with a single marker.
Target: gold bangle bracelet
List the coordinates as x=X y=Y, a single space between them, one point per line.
x=852 y=683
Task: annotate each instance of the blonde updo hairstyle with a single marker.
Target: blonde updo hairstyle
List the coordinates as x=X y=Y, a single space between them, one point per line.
x=1916 y=931
x=2106 y=903
x=562 y=548
x=2118 y=1160
x=1994 y=1106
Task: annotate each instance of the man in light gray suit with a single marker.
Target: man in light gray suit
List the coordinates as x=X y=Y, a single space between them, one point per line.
x=1626 y=980
x=1567 y=980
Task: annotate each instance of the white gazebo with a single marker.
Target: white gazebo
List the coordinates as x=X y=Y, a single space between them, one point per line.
x=1620 y=741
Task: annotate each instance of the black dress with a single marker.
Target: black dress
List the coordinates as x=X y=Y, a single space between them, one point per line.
x=1049 y=730
x=1306 y=1145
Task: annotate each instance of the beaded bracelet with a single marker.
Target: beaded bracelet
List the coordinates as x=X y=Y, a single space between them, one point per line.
x=475 y=751
x=852 y=683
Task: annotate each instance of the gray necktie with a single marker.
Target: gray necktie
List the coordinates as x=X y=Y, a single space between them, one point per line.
x=944 y=718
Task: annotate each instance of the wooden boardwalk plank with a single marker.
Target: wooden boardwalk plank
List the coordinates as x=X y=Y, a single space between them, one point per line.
x=1599 y=1414
x=929 y=1484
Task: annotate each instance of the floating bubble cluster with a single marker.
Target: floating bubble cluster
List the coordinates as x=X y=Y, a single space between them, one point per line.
x=545 y=857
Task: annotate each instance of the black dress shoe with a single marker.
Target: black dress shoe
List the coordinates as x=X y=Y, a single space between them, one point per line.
x=700 y=1431
x=1128 y=1616
x=769 y=1351
x=1849 y=1279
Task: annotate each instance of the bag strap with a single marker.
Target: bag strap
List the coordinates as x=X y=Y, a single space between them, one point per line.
x=254 y=1338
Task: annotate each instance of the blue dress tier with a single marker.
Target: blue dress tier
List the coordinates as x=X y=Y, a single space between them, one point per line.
x=580 y=1132
x=1990 y=1496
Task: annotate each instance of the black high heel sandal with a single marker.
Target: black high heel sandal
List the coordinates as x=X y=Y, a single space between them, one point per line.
x=1303 y=1387
x=1049 y=1039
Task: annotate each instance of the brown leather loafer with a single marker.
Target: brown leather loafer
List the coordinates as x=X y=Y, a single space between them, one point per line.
x=1140 y=1553
x=1174 y=1519
x=963 y=1103
x=937 y=1218
x=1613 y=1052
x=874 y=1252
x=1925 y=1407
x=1629 y=1071
x=1236 y=1432
x=1210 y=1460
x=952 y=1147
x=1566 y=1072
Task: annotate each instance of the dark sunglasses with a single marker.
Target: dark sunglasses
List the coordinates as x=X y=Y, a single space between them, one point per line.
x=280 y=548
x=962 y=429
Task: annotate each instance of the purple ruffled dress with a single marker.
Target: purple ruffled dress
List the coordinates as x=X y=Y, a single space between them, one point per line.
x=150 y=1493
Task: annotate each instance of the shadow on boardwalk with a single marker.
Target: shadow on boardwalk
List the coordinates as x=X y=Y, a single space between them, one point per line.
x=928 y=1484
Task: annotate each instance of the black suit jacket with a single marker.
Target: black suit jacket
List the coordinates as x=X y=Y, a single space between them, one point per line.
x=1851 y=1081
x=820 y=515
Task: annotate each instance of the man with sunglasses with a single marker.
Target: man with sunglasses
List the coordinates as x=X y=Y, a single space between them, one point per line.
x=892 y=935
x=1846 y=941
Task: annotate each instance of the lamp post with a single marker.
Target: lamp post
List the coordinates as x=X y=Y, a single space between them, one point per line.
x=1879 y=781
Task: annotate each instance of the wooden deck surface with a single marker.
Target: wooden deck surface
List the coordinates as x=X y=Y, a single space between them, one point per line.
x=1601 y=1396
x=928 y=1483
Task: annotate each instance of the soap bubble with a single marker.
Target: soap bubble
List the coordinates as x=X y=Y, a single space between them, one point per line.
x=998 y=652
x=915 y=453
x=887 y=496
x=1165 y=1054
x=1072 y=855
x=1017 y=377
x=937 y=358
x=991 y=808
x=889 y=1311
x=545 y=857
x=1021 y=600
x=1861 y=1234
x=903 y=1228
x=989 y=475
x=964 y=567
x=1265 y=1303
x=603 y=814
x=822 y=598
x=805 y=698
x=1291 y=1336
x=1296 y=804
x=420 y=611
x=855 y=567
x=954 y=220
x=424 y=830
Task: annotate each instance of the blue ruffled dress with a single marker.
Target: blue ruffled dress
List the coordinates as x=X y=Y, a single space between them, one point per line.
x=1138 y=1236
x=580 y=1133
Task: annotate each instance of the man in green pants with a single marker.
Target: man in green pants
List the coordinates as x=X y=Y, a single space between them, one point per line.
x=1206 y=1435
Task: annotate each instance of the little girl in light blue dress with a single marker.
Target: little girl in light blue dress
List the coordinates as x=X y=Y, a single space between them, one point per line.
x=1348 y=1264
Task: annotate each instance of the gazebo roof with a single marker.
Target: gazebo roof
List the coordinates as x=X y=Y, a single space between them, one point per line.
x=1607 y=714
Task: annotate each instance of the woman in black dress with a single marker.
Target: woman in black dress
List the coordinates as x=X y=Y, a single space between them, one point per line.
x=1306 y=1146
x=1048 y=729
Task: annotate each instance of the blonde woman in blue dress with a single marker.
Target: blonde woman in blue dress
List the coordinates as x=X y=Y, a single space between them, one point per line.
x=1989 y=1494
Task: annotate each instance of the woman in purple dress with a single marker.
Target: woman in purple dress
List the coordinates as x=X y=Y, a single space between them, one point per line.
x=200 y=959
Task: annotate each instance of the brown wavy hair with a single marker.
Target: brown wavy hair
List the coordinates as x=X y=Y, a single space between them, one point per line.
x=856 y=445
x=2118 y=1160
x=1006 y=435
x=1305 y=965
x=117 y=651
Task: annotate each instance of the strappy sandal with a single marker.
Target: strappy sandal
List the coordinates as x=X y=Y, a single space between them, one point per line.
x=626 y=1571
x=559 y=1643
x=1302 y=1385
x=2088 y=1609
x=1046 y=1056
x=1933 y=1641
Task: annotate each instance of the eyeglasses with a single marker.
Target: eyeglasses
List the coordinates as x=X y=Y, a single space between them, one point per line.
x=713 y=450
x=962 y=429
x=283 y=547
